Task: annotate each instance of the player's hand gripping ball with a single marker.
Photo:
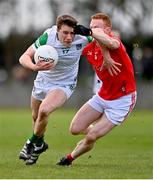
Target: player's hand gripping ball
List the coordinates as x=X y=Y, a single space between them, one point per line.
x=46 y=53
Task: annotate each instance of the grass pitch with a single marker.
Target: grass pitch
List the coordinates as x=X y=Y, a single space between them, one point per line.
x=127 y=152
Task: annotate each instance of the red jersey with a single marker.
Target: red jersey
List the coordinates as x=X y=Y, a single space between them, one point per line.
x=113 y=86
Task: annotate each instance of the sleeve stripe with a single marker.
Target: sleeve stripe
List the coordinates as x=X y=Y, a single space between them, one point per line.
x=42 y=40
x=90 y=38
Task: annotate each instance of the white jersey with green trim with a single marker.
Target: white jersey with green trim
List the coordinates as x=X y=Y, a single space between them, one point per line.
x=66 y=70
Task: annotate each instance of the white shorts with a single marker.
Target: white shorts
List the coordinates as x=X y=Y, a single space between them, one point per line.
x=42 y=87
x=116 y=110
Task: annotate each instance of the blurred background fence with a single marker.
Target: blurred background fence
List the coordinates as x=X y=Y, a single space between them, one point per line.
x=22 y=21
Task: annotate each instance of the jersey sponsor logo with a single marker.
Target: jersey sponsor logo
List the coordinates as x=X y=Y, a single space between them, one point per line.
x=96 y=55
x=78 y=46
x=65 y=51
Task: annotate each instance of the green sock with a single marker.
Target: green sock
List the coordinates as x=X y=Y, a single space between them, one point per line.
x=40 y=141
x=33 y=138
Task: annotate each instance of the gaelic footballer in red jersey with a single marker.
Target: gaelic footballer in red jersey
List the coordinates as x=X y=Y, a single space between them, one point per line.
x=117 y=96
x=113 y=86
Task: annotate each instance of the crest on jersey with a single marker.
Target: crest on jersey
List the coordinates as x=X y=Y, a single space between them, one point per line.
x=78 y=46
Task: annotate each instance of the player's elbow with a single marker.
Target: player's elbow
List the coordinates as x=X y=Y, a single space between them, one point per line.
x=21 y=60
x=114 y=45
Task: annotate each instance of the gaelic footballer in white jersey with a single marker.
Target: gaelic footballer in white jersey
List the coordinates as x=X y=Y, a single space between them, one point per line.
x=53 y=84
x=65 y=72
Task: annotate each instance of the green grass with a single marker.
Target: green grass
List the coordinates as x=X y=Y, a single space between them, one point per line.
x=127 y=152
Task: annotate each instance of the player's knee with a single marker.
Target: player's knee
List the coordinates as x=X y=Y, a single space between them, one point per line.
x=34 y=116
x=43 y=112
x=91 y=137
x=74 y=130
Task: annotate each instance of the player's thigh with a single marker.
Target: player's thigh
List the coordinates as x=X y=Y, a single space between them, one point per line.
x=35 y=107
x=53 y=100
x=101 y=127
x=83 y=118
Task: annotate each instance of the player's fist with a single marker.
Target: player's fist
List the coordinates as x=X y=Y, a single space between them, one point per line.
x=82 y=30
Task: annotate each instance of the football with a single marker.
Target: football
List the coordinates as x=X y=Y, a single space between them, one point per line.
x=46 y=53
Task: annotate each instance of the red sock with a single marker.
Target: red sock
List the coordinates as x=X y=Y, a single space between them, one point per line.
x=70 y=157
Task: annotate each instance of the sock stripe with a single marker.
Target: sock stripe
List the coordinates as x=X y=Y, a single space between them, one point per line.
x=69 y=156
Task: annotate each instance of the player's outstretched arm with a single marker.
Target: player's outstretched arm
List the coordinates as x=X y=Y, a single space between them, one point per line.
x=105 y=39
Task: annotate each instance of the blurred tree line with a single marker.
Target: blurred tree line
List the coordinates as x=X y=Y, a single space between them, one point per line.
x=22 y=21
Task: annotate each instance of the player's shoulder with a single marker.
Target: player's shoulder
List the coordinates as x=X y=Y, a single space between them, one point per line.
x=51 y=29
x=88 y=48
x=86 y=39
x=90 y=45
x=43 y=38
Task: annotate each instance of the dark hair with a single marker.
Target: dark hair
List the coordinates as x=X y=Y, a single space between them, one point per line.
x=67 y=20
